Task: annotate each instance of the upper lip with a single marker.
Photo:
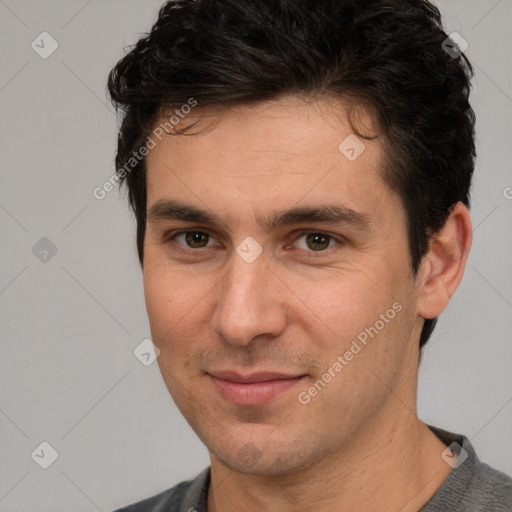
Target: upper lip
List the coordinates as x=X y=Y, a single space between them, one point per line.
x=253 y=377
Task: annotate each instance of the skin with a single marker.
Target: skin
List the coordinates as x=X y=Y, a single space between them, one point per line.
x=295 y=313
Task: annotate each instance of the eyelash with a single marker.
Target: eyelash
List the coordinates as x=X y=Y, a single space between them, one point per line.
x=313 y=254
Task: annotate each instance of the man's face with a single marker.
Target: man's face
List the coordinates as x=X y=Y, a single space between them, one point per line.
x=226 y=316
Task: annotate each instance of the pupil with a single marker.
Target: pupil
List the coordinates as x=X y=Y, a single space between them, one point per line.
x=194 y=239
x=315 y=239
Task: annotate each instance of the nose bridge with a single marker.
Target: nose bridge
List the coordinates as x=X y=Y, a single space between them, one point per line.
x=241 y=283
x=246 y=307
x=247 y=264
x=242 y=290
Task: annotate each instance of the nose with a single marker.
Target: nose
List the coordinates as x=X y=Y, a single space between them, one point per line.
x=251 y=302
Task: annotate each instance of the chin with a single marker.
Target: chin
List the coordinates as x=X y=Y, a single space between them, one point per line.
x=267 y=459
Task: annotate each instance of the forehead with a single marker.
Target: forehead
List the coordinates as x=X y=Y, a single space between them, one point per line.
x=293 y=125
x=283 y=152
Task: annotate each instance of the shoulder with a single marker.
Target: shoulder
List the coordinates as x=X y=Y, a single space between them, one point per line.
x=190 y=494
x=471 y=486
x=490 y=487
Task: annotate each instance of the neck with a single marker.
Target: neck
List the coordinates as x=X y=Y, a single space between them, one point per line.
x=393 y=465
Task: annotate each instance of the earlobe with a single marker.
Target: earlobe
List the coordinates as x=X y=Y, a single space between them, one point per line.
x=443 y=266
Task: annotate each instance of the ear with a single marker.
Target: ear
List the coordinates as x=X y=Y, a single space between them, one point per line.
x=442 y=267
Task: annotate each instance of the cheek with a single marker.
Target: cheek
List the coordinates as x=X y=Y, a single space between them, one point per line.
x=368 y=360
x=369 y=324
x=173 y=301
x=176 y=313
x=344 y=301
x=160 y=296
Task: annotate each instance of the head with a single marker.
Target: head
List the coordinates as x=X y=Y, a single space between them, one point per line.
x=244 y=109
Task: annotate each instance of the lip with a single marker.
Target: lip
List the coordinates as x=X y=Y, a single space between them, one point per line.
x=254 y=389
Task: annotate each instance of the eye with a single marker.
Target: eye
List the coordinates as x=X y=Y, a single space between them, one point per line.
x=317 y=241
x=194 y=239
x=309 y=241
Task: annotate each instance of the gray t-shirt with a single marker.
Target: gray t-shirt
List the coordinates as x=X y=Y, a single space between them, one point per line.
x=471 y=486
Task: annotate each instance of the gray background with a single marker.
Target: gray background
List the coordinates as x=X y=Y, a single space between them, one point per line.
x=69 y=325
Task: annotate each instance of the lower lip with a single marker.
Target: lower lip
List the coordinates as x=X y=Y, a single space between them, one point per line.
x=254 y=393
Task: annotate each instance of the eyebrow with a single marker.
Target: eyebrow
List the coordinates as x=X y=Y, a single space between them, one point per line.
x=167 y=209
